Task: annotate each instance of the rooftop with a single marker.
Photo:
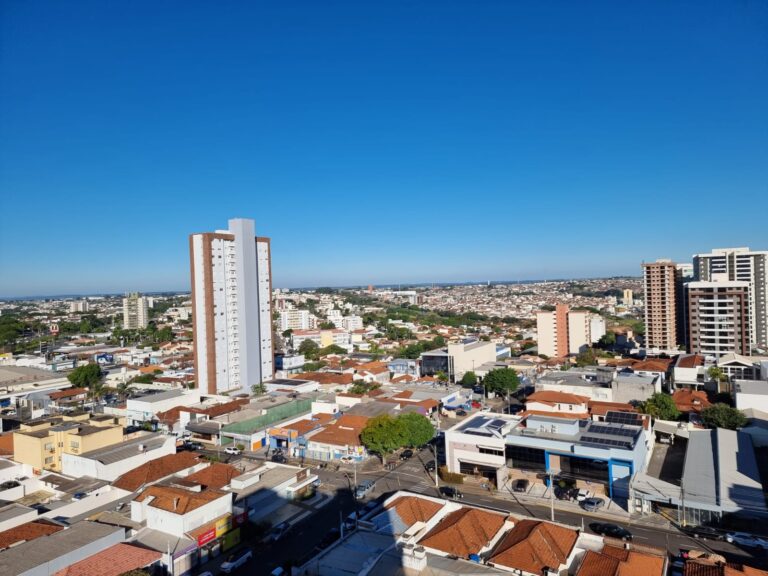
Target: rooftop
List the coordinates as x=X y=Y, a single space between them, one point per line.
x=464 y=532
x=27 y=532
x=178 y=500
x=155 y=470
x=621 y=430
x=123 y=450
x=113 y=561
x=533 y=545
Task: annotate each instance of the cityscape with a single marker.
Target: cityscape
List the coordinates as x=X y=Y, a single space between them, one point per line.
x=298 y=380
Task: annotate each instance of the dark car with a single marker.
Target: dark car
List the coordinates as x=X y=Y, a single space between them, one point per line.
x=461 y=412
x=704 y=532
x=279 y=458
x=430 y=466
x=406 y=454
x=451 y=492
x=515 y=409
x=611 y=530
x=520 y=485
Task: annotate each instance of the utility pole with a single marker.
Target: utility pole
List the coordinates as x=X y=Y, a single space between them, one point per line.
x=551 y=496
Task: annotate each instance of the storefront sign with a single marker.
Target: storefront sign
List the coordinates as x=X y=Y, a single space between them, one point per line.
x=283 y=433
x=222 y=525
x=206 y=537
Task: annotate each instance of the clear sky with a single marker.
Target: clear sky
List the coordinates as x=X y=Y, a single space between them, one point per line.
x=377 y=142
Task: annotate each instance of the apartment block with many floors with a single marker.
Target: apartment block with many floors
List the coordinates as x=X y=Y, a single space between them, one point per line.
x=231 y=300
x=135 y=311
x=662 y=313
x=719 y=318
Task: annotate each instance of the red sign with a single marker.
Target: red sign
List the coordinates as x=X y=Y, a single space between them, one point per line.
x=206 y=537
x=240 y=519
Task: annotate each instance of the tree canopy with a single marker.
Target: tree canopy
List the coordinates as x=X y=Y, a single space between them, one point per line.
x=661 y=406
x=417 y=430
x=309 y=349
x=502 y=380
x=469 y=379
x=723 y=416
x=85 y=376
x=385 y=434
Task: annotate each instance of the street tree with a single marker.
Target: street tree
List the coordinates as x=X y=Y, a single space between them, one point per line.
x=469 y=379
x=441 y=376
x=85 y=376
x=503 y=381
x=661 y=407
x=723 y=416
x=383 y=435
x=417 y=430
x=258 y=389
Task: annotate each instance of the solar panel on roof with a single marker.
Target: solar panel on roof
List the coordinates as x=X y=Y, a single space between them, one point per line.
x=616 y=417
x=606 y=442
x=496 y=423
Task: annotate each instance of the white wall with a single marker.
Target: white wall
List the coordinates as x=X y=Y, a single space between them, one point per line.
x=77 y=466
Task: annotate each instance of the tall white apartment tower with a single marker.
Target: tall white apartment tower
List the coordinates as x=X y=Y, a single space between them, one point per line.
x=135 y=311
x=232 y=308
x=740 y=265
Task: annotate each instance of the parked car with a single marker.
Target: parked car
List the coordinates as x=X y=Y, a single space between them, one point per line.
x=451 y=492
x=233 y=450
x=406 y=454
x=235 y=561
x=364 y=488
x=346 y=459
x=746 y=539
x=593 y=504
x=611 y=530
x=278 y=532
x=79 y=495
x=279 y=458
x=461 y=412
x=476 y=405
x=520 y=485
x=704 y=532
x=430 y=466
x=514 y=409
x=193 y=445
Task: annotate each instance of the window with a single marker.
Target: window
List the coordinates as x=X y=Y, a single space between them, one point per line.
x=493 y=451
x=74 y=444
x=49 y=461
x=49 y=446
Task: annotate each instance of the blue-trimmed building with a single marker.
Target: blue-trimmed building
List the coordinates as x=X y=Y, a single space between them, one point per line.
x=610 y=452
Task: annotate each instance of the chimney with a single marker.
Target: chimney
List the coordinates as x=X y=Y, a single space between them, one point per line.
x=175 y=504
x=414 y=557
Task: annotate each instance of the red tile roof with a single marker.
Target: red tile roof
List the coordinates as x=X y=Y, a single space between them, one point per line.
x=412 y=509
x=325 y=378
x=554 y=397
x=113 y=561
x=690 y=400
x=156 y=470
x=217 y=475
x=6 y=444
x=531 y=545
x=652 y=365
x=463 y=532
x=26 y=532
x=69 y=392
x=178 y=500
x=599 y=408
x=692 y=361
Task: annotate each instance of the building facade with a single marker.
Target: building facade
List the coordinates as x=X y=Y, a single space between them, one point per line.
x=719 y=317
x=563 y=331
x=231 y=299
x=740 y=265
x=135 y=311
x=662 y=318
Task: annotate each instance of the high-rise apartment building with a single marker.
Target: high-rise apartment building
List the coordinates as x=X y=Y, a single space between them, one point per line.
x=232 y=308
x=296 y=319
x=740 y=265
x=629 y=297
x=662 y=318
x=135 y=311
x=718 y=317
x=562 y=331
x=79 y=306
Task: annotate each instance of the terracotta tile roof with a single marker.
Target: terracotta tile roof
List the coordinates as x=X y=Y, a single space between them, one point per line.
x=690 y=400
x=373 y=367
x=693 y=568
x=733 y=570
x=642 y=564
x=6 y=444
x=178 y=500
x=217 y=475
x=578 y=415
x=599 y=408
x=336 y=435
x=554 y=397
x=412 y=509
x=113 y=561
x=69 y=392
x=171 y=416
x=692 y=361
x=155 y=470
x=652 y=365
x=531 y=545
x=353 y=421
x=596 y=564
x=463 y=532
x=403 y=378
x=403 y=394
x=325 y=377
x=26 y=532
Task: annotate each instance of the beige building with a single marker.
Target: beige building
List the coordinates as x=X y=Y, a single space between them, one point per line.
x=719 y=318
x=563 y=331
x=41 y=443
x=135 y=311
x=660 y=282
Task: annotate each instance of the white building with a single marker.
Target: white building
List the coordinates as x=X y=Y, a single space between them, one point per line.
x=740 y=265
x=596 y=328
x=78 y=306
x=135 y=311
x=232 y=308
x=145 y=408
x=350 y=323
x=296 y=319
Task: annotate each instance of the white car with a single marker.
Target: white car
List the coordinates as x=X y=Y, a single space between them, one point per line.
x=746 y=539
x=233 y=450
x=235 y=561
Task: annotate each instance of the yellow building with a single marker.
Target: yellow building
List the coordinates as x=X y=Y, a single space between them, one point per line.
x=41 y=443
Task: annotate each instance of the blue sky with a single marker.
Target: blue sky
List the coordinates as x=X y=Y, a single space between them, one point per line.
x=377 y=142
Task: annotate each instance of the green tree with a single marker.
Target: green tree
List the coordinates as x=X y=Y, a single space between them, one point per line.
x=417 y=429
x=586 y=358
x=85 y=376
x=382 y=435
x=723 y=416
x=660 y=406
x=332 y=349
x=716 y=373
x=361 y=387
x=441 y=376
x=327 y=325
x=258 y=389
x=287 y=333
x=309 y=349
x=607 y=340
x=502 y=381
x=469 y=379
